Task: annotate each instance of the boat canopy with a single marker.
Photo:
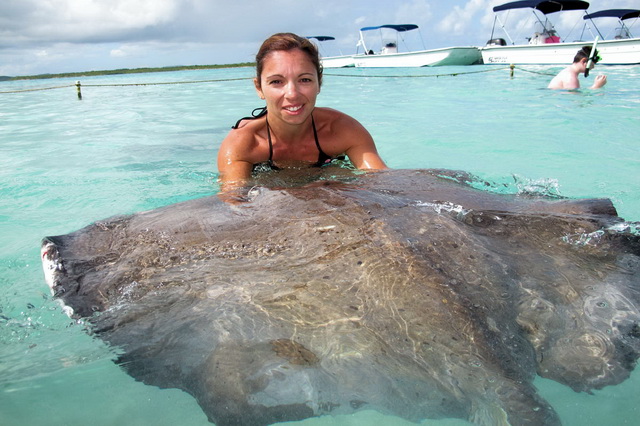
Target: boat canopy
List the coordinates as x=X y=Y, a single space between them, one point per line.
x=621 y=14
x=389 y=46
x=399 y=27
x=322 y=38
x=549 y=6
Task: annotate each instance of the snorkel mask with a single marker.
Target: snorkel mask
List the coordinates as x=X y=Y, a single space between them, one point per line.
x=594 y=57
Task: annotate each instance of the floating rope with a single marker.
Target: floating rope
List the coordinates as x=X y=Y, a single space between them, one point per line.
x=78 y=85
x=169 y=82
x=128 y=84
x=537 y=72
x=38 y=89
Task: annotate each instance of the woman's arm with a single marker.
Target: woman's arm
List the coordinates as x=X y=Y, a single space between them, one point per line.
x=234 y=163
x=361 y=149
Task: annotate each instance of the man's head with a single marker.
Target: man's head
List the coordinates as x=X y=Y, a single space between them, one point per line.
x=584 y=53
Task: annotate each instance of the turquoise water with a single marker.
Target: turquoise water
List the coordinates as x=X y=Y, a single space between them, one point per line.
x=65 y=163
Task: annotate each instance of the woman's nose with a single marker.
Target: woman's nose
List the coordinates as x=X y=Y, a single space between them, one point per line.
x=291 y=89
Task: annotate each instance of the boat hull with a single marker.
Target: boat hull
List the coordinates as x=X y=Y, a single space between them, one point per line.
x=612 y=52
x=423 y=58
x=337 y=61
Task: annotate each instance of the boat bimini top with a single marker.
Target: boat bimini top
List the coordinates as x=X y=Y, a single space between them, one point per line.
x=322 y=38
x=622 y=14
x=546 y=7
x=399 y=28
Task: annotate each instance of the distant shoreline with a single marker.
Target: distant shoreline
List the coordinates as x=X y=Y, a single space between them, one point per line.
x=125 y=71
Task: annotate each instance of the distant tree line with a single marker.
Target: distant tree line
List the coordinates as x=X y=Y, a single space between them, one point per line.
x=126 y=71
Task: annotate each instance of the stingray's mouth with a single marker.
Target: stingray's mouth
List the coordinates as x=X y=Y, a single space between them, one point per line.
x=51 y=263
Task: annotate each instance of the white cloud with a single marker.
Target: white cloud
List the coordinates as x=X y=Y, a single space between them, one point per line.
x=87 y=20
x=118 y=53
x=461 y=19
x=411 y=12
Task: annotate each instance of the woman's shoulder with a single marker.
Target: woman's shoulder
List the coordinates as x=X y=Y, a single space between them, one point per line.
x=246 y=130
x=243 y=141
x=333 y=119
x=339 y=132
x=329 y=113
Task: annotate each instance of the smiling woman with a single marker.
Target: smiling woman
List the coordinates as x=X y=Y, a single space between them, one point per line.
x=291 y=131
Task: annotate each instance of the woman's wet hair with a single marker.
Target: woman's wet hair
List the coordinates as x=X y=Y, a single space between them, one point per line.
x=585 y=52
x=285 y=42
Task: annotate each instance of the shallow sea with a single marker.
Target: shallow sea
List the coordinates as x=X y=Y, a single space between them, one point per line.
x=65 y=163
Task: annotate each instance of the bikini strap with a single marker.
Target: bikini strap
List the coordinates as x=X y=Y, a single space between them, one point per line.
x=256 y=113
x=270 y=144
x=315 y=133
x=322 y=156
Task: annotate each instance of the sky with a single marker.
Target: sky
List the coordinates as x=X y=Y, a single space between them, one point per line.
x=55 y=36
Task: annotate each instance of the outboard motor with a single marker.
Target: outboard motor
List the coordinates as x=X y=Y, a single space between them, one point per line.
x=497 y=42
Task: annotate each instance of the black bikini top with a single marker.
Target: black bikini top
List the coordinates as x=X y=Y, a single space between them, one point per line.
x=268 y=165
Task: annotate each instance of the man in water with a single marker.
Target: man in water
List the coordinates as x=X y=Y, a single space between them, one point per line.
x=568 y=78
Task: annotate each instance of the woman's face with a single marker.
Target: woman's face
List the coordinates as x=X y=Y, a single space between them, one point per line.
x=289 y=83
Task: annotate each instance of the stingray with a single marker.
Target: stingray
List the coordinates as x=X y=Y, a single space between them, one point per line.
x=408 y=292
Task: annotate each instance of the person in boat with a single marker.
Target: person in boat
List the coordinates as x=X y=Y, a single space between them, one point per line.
x=291 y=131
x=568 y=78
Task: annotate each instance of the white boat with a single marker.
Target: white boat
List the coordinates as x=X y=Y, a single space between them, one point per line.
x=389 y=57
x=546 y=47
x=340 y=61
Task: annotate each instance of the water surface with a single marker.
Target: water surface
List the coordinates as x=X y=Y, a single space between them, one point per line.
x=65 y=163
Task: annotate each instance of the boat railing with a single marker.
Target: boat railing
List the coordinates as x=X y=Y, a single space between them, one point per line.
x=622 y=32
